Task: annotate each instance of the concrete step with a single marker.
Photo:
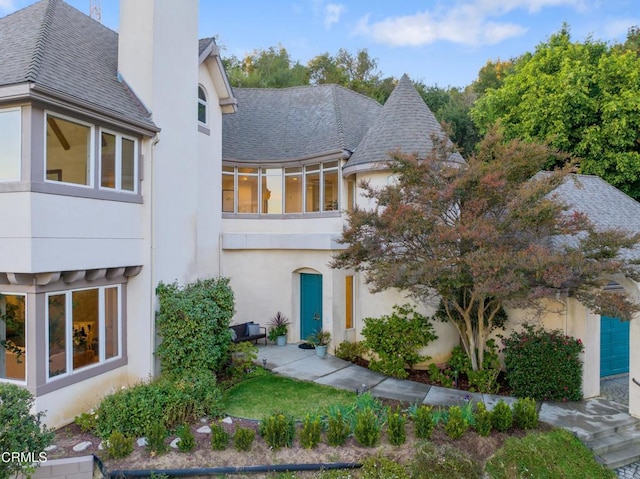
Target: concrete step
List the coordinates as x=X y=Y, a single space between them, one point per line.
x=621 y=457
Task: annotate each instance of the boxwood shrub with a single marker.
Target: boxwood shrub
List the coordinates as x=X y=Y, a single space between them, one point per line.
x=543 y=365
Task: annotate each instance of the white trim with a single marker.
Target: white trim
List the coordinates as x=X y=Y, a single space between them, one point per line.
x=118 y=162
x=205 y=103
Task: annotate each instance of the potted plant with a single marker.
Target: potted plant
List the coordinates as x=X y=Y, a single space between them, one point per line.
x=278 y=328
x=320 y=339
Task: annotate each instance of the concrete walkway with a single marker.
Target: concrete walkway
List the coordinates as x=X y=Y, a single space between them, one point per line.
x=586 y=419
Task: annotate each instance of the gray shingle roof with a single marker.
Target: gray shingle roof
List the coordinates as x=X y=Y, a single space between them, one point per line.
x=405 y=123
x=292 y=123
x=62 y=50
x=605 y=205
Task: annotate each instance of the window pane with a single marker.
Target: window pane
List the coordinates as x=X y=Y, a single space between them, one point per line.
x=228 y=193
x=111 y=313
x=348 y=302
x=330 y=190
x=68 y=151
x=10 y=139
x=247 y=193
x=85 y=327
x=272 y=191
x=331 y=164
x=107 y=160
x=351 y=193
x=57 y=335
x=13 y=355
x=312 y=185
x=128 y=165
x=202 y=112
x=293 y=193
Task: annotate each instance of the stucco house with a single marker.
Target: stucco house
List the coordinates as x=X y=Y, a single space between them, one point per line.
x=126 y=159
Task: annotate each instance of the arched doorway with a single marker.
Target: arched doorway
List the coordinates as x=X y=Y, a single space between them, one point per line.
x=310 y=304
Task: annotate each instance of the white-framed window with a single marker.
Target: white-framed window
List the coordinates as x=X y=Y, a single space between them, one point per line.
x=118 y=161
x=13 y=337
x=10 y=144
x=313 y=188
x=68 y=150
x=83 y=328
x=203 y=116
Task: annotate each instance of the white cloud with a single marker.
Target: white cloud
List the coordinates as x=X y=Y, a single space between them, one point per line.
x=468 y=22
x=619 y=28
x=7 y=6
x=332 y=14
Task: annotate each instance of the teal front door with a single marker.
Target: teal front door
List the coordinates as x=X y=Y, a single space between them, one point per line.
x=614 y=346
x=310 y=304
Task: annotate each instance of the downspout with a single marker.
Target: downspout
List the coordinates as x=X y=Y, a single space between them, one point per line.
x=152 y=248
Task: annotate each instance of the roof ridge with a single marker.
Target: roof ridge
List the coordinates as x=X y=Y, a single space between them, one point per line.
x=43 y=34
x=338 y=113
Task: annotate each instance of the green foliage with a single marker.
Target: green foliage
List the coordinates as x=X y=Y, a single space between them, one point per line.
x=278 y=326
x=278 y=430
x=311 y=431
x=439 y=376
x=219 y=437
x=582 y=97
x=268 y=68
x=170 y=401
x=482 y=420
x=424 y=423
x=338 y=428
x=367 y=428
x=156 y=433
x=86 y=421
x=525 y=413
x=350 y=351
x=557 y=453
x=193 y=322
x=459 y=360
x=544 y=365
x=444 y=462
x=118 y=445
x=243 y=438
x=20 y=430
x=502 y=417
x=380 y=467
x=396 y=427
x=187 y=440
x=456 y=424
x=243 y=356
x=396 y=339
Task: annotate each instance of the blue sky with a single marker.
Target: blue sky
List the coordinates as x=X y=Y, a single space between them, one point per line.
x=441 y=42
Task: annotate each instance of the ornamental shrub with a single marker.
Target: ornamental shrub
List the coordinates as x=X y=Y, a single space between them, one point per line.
x=156 y=434
x=396 y=427
x=396 y=340
x=243 y=438
x=525 y=413
x=456 y=424
x=278 y=430
x=20 y=430
x=482 y=420
x=338 y=428
x=187 y=440
x=311 y=431
x=219 y=437
x=543 y=365
x=170 y=401
x=502 y=417
x=118 y=445
x=367 y=429
x=424 y=423
x=350 y=351
x=193 y=322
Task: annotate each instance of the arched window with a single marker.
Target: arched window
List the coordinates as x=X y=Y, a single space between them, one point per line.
x=202 y=106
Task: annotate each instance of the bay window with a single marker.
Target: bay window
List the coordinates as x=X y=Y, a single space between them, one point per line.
x=68 y=151
x=10 y=144
x=117 y=162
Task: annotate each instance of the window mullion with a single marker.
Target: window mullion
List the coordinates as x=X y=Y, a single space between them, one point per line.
x=68 y=329
x=118 y=163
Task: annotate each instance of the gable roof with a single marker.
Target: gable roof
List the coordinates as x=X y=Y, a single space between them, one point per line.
x=405 y=123
x=289 y=124
x=66 y=54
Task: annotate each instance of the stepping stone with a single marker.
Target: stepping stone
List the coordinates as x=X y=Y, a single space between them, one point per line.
x=83 y=446
x=204 y=430
x=142 y=441
x=227 y=420
x=100 y=446
x=50 y=448
x=174 y=443
x=204 y=420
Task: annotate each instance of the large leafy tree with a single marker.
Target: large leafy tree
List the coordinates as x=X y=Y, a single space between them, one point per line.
x=482 y=235
x=270 y=68
x=583 y=98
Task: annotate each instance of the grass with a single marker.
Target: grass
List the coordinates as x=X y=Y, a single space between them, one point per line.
x=260 y=396
x=553 y=454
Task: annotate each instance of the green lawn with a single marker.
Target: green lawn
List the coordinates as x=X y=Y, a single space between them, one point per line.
x=260 y=396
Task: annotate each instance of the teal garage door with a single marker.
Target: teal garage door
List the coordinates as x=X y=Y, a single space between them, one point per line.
x=614 y=346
